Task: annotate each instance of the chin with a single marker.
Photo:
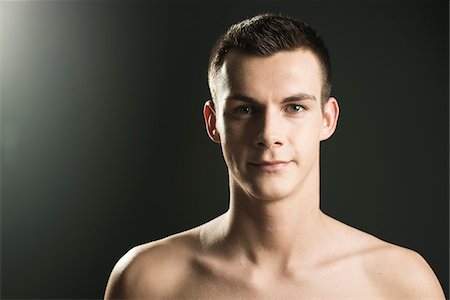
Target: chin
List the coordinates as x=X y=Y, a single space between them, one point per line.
x=270 y=191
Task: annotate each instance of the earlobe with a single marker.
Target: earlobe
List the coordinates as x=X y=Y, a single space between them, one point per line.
x=330 y=118
x=209 y=115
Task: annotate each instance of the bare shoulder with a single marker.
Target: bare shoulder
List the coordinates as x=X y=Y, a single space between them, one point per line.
x=402 y=272
x=395 y=271
x=153 y=270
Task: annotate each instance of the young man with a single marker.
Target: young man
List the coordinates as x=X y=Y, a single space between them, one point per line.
x=270 y=82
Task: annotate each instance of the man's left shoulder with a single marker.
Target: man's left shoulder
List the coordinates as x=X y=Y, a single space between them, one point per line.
x=402 y=272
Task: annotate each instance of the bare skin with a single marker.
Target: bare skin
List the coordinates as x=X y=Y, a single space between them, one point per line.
x=274 y=242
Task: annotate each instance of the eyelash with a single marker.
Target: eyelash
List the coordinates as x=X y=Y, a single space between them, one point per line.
x=300 y=108
x=248 y=109
x=244 y=109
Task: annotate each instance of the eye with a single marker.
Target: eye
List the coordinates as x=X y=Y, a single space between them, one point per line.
x=294 y=108
x=244 y=110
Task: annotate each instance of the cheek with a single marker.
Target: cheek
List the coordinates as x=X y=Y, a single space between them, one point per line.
x=306 y=138
x=236 y=132
x=235 y=144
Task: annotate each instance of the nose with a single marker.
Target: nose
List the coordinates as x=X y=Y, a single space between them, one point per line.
x=269 y=131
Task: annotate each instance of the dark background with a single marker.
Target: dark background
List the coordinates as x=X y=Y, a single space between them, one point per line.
x=104 y=146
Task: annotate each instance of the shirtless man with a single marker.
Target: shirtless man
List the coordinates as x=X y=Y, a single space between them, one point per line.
x=271 y=108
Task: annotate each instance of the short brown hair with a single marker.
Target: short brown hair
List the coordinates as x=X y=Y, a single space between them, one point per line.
x=266 y=34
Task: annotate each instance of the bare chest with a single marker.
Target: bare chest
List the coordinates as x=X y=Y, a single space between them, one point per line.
x=321 y=283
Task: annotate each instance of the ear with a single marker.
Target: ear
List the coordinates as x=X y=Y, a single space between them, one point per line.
x=209 y=114
x=330 y=118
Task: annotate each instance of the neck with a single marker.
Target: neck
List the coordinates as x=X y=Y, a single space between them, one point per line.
x=275 y=229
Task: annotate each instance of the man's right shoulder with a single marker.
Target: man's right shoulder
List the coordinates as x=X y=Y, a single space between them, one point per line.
x=153 y=270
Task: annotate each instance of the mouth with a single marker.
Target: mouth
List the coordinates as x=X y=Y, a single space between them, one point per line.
x=270 y=166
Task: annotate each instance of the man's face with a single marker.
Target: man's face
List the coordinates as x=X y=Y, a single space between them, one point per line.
x=269 y=121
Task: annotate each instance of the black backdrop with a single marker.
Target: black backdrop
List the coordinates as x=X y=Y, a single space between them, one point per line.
x=104 y=147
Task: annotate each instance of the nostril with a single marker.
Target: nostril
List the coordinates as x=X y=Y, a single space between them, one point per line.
x=260 y=144
x=268 y=144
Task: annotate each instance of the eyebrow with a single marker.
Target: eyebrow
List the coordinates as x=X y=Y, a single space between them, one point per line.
x=296 y=97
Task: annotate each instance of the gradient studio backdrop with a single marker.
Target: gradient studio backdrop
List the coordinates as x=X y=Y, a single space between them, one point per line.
x=104 y=147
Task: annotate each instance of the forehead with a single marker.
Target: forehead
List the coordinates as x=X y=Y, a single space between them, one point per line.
x=280 y=75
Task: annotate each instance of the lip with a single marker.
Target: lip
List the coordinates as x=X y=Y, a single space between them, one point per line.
x=270 y=166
